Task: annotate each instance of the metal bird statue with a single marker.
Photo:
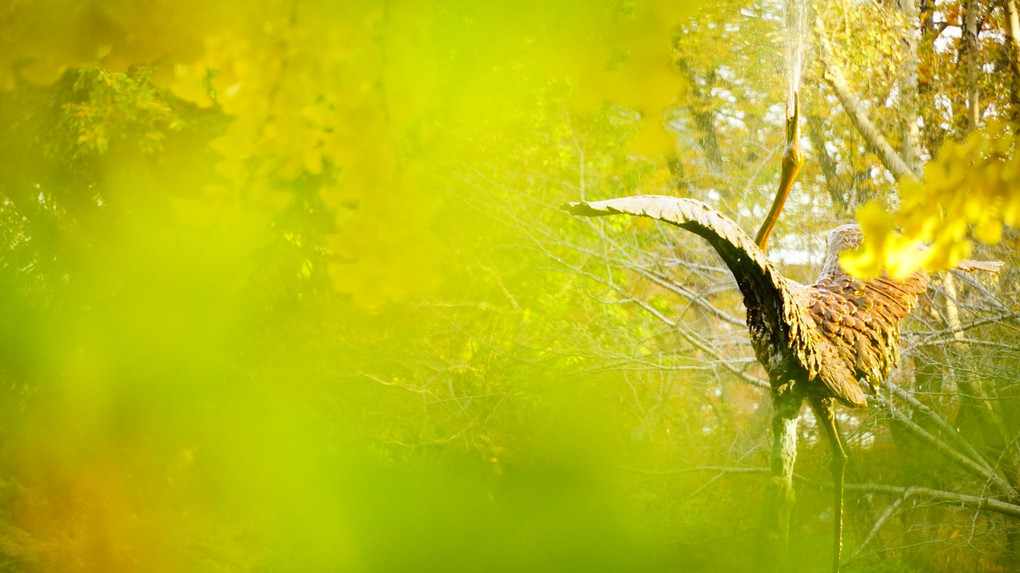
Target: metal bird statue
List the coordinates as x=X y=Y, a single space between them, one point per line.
x=822 y=342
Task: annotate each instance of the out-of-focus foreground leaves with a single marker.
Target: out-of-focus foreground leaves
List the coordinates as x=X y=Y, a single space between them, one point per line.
x=968 y=193
x=251 y=321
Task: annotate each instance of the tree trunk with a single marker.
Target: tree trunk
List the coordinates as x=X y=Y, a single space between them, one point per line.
x=872 y=136
x=980 y=420
x=911 y=150
x=933 y=133
x=700 y=109
x=970 y=64
x=843 y=196
x=977 y=411
x=1013 y=48
x=779 y=493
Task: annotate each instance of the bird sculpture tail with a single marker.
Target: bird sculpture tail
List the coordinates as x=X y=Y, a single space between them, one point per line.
x=987 y=266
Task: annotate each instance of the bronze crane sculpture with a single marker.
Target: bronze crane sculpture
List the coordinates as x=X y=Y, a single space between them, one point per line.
x=818 y=342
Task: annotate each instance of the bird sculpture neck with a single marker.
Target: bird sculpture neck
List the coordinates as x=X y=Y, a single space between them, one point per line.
x=793 y=160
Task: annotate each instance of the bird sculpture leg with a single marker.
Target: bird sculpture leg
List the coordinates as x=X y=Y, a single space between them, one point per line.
x=827 y=420
x=779 y=494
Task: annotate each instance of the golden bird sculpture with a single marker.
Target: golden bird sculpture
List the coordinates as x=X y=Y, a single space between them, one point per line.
x=826 y=341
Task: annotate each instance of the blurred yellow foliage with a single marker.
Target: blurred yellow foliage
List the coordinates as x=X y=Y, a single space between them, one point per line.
x=969 y=192
x=211 y=334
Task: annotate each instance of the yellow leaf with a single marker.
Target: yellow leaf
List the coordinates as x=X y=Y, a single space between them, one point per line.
x=875 y=222
x=861 y=263
x=988 y=230
x=903 y=257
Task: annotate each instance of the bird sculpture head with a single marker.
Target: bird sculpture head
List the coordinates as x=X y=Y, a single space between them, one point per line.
x=842 y=238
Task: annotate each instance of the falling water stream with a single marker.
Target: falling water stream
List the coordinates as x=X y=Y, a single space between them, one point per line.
x=796 y=34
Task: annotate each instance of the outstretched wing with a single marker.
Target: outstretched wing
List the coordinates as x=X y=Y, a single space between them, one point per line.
x=859 y=323
x=860 y=320
x=986 y=266
x=738 y=251
x=776 y=315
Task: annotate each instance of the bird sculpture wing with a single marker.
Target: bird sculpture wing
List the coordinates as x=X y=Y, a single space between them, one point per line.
x=860 y=320
x=987 y=266
x=777 y=314
x=859 y=327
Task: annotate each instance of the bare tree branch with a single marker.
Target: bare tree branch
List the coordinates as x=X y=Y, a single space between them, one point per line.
x=886 y=515
x=945 y=449
x=684 y=333
x=833 y=75
x=981 y=503
x=687 y=293
x=973 y=501
x=941 y=423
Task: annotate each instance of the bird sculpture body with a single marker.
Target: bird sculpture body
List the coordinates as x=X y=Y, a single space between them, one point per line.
x=831 y=340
